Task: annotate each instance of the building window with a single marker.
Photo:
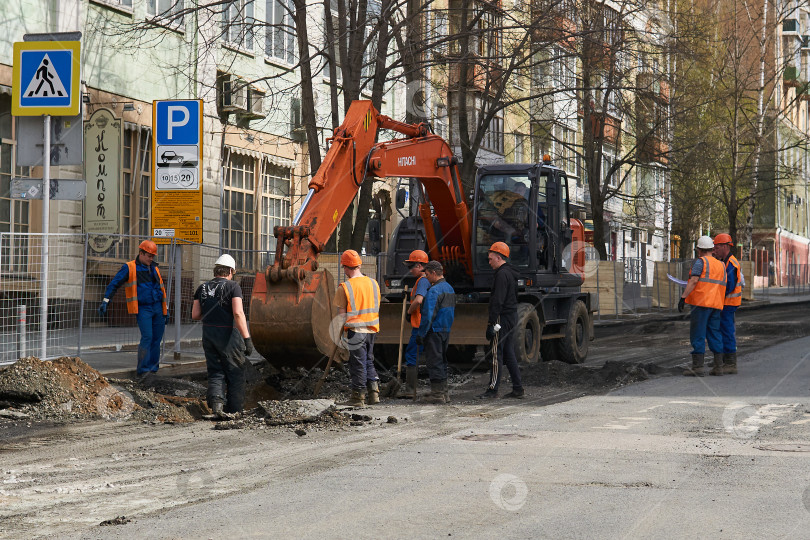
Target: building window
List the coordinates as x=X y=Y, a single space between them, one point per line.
x=238 y=209
x=519 y=150
x=166 y=9
x=493 y=138
x=237 y=23
x=275 y=207
x=566 y=155
x=280 y=40
x=240 y=226
x=13 y=213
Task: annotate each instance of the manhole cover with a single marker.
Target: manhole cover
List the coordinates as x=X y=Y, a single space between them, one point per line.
x=785 y=447
x=494 y=437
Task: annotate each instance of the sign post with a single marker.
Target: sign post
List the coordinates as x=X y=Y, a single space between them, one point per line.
x=177 y=159
x=46 y=81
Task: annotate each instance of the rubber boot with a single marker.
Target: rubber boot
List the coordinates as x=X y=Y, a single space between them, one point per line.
x=717 y=367
x=373 y=388
x=438 y=392
x=730 y=363
x=218 y=409
x=411 y=378
x=357 y=399
x=697 y=367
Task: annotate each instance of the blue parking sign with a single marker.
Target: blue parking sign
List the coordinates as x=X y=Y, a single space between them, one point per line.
x=178 y=122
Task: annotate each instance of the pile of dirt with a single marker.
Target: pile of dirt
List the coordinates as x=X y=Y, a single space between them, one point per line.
x=68 y=389
x=302 y=417
x=299 y=383
x=612 y=374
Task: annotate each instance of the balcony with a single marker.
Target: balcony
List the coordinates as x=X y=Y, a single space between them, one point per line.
x=555 y=29
x=481 y=76
x=610 y=127
x=651 y=84
x=791 y=76
x=653 y=149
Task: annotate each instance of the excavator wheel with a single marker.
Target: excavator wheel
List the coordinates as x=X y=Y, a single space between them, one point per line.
x=573 y=348
x=527 y=334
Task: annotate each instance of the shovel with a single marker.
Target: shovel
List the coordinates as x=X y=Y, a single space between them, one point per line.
x=326 y=370
x=392 y=387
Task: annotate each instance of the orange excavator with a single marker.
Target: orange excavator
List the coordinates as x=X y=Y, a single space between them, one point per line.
x=291 y=308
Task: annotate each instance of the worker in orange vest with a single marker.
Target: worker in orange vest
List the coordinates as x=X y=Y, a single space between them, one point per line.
x=358 y=302
x=416 y=266
x=735 y=281
x=705 y=292
x=146 y=299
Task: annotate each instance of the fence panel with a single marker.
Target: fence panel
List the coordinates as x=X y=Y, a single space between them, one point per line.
x=21 y=279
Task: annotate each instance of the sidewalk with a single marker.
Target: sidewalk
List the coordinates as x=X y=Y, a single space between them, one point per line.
x=762 y=297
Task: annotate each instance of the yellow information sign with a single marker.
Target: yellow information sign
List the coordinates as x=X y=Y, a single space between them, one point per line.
x=177 y=195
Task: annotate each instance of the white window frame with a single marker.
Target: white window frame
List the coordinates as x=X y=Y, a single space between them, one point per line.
x=281 y=30
x=237 y=24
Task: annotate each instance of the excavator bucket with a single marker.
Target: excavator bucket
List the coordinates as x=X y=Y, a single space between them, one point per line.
x=289 y=319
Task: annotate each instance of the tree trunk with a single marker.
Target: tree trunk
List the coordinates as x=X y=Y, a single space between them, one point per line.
x=307 y=95
x=749 y=223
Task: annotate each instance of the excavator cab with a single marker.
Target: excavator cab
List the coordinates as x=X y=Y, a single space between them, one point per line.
x=525 y=206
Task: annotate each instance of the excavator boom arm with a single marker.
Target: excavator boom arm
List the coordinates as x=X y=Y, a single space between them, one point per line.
x=352 y=155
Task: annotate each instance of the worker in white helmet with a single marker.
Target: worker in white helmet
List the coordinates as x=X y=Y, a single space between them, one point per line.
x=705 y=292
x=226 y=338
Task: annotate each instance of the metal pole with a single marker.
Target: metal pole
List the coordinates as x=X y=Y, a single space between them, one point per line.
x=178 y=267
x=22 y=318
x=46 y=199
x=81 y=302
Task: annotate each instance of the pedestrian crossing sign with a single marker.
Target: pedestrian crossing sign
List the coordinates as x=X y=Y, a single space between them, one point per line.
x=46 y=78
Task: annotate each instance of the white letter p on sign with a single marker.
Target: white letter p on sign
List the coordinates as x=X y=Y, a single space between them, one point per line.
x=172 y=123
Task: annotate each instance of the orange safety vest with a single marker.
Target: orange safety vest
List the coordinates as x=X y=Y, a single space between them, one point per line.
x=131 y=290
x=711 y=286
x=416 y=316
x=363 y=294
x=735 y=298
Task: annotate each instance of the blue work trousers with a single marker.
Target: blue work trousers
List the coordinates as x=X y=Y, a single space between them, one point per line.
x=361 y=359
x=704 y=325
x=413 y=350
x=152 y=323
x=727 y=329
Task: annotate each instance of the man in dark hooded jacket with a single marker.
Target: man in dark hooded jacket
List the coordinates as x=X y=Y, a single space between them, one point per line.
x=502 y=322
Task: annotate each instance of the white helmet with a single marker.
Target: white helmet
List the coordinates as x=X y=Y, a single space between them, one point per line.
x=226 y=260
x=705 y=242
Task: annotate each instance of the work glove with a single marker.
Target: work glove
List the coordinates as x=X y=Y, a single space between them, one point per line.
x=420 y=340
x=681 y=304
x=490 y=332
x=102 y=309
x=248 y=347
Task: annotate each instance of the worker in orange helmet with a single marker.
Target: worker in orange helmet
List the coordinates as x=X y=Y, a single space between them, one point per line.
x=416 y=263
x=146 y=299
x=502 y=322
x=735 y=281
x=358 y=303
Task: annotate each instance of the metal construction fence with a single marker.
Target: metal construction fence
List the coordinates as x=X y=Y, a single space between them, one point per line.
x=75 y=281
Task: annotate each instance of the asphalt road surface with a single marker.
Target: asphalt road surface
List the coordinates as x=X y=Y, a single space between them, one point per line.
x=671 y=457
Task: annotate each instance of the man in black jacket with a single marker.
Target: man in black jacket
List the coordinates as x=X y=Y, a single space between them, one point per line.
x=502 y=322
